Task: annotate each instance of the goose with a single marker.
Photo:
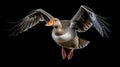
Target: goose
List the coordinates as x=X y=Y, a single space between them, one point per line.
x=65 y=32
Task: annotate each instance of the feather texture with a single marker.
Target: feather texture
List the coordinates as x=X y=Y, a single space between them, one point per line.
x=33 y=18
x=85 y=18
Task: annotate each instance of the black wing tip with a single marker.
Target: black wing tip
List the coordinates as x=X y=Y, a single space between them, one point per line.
x=107 y=34
x=13 y=34
x=105 y=26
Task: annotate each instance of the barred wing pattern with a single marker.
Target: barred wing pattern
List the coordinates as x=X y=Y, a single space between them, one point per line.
x=33 y=18
x=86 y=18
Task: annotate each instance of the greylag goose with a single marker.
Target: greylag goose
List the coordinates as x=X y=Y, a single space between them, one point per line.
x=64 y=32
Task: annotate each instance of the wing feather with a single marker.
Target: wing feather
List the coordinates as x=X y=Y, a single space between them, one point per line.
x=32 y=19
x=85 y=18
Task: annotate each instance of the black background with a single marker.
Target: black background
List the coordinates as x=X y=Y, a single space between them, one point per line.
x=37 y=46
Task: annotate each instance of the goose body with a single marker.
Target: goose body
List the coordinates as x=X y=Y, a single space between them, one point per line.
x=69 y=36
x=64 y=32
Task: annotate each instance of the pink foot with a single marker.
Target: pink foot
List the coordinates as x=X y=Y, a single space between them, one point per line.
x=70 y=55
x=63 y=54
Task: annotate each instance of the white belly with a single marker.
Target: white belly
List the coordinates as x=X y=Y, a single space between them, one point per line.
x=62 y=38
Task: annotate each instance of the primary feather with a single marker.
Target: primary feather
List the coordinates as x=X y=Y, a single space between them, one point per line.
x=30 y=20
x=85 y=18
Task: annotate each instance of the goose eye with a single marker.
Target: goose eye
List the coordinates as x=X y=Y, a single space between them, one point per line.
x=55 y=20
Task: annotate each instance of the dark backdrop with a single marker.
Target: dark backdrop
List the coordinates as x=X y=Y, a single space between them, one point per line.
x=36 y=45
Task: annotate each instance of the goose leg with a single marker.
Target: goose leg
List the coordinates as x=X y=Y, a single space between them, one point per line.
x=70 y=55
x=63 y=53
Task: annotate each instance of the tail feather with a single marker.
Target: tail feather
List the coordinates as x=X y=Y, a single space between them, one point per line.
x=83 y=43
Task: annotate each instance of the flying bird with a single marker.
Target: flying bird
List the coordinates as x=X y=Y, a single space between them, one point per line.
x=64 y=32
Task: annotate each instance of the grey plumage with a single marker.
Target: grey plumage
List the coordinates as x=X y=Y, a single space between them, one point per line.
x=85 y=18
x=33 y=18
x=65 y=31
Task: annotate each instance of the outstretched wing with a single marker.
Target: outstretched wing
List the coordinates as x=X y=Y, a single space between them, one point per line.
x=33 y=18
x=86 y=18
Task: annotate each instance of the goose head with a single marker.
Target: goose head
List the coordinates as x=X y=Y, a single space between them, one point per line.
x=55 y=22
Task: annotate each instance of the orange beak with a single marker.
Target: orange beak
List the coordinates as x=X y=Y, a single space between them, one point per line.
x=50 y=23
